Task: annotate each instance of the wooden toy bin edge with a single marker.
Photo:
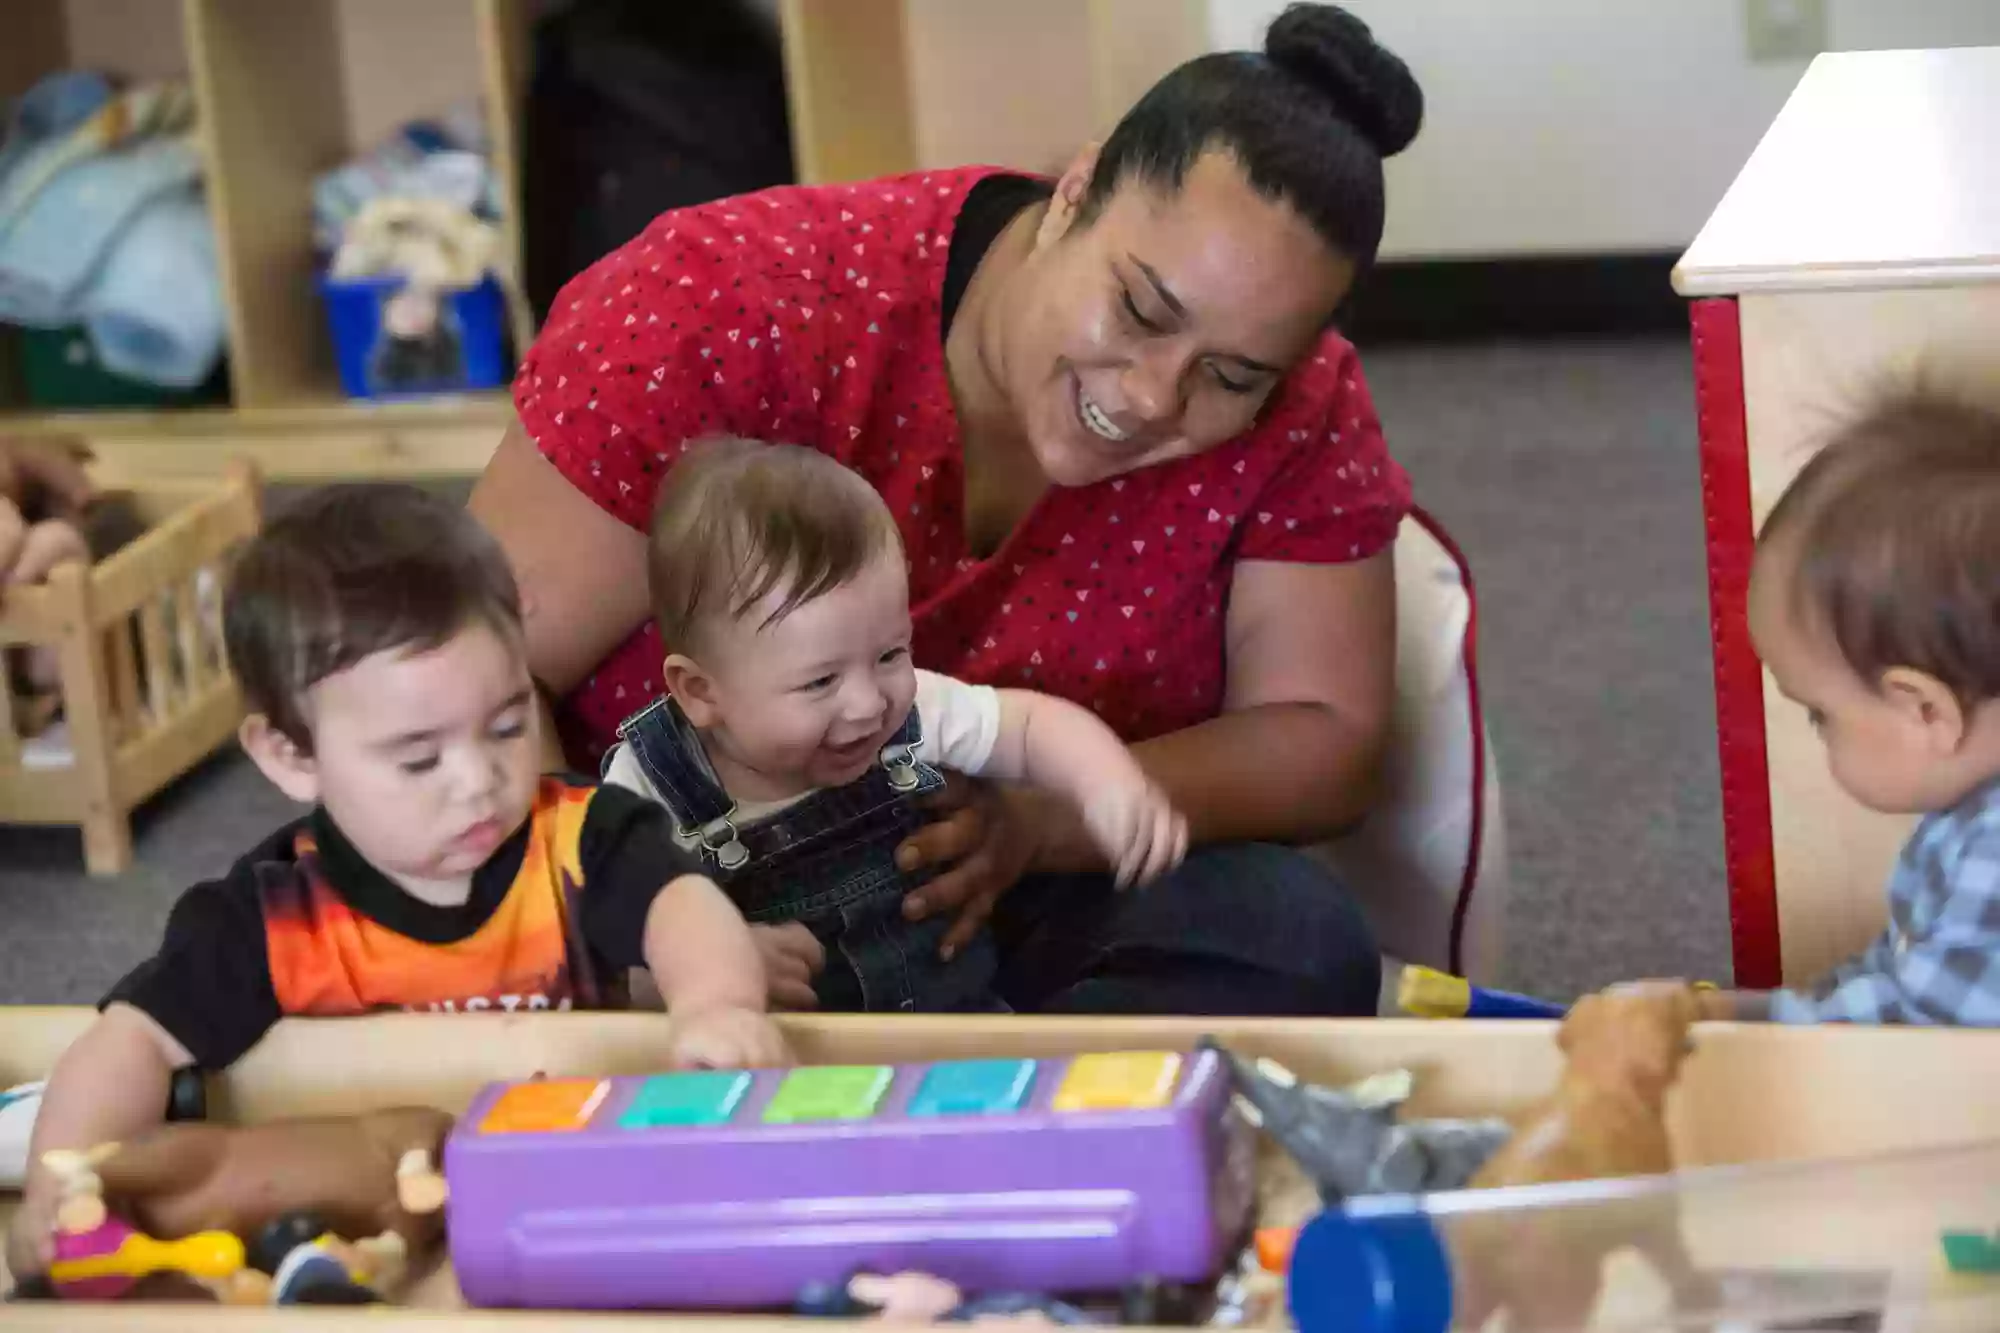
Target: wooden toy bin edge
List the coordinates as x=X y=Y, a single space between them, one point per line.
x=1748 y=1094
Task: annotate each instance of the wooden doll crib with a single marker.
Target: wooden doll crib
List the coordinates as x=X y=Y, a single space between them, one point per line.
x=146 y=689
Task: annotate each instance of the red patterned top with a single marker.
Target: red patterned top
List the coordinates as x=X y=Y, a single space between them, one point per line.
x=810 y=314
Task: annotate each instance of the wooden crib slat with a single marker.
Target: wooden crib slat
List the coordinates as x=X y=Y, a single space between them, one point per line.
x=128 y=718
x=10 y=740
x=208 y=595
x=162 y=685
x=107 y=838
x=196 y=667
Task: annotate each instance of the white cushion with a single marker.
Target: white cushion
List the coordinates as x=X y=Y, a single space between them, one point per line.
x=1438 y=833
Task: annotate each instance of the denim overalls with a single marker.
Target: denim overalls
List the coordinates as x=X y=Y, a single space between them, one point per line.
x=828 y=861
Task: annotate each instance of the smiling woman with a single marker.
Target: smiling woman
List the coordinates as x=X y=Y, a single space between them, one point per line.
x=1129 y=464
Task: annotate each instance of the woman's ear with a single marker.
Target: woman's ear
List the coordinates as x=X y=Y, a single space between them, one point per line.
x=290 y=769
x=693 y=689
x=1925 y=702
x=1068 y=198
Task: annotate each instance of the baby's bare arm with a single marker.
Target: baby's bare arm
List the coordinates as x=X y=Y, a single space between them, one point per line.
x=1054 y=744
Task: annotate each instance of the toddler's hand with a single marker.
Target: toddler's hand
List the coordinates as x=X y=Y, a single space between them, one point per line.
x=1138 y=830
x=792 y=956
x=30 y=1235
x=726 y=1037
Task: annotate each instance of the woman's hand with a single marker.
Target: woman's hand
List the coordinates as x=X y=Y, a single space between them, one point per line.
x=985 y=838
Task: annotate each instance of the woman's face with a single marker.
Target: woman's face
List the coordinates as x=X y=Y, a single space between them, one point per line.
x=1161 y=328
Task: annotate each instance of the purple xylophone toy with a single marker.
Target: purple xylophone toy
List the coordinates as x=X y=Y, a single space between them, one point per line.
x=735 y=1189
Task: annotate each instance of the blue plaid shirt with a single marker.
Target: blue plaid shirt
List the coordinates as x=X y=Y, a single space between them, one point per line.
x=1938 y=961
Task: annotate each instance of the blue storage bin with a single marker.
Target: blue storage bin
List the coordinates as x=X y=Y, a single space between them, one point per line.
x=390 y=344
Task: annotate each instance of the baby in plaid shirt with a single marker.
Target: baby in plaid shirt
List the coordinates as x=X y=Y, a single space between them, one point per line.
x=1875 y=604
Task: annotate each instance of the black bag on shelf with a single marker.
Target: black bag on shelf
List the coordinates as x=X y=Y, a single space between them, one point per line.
x=635 y=107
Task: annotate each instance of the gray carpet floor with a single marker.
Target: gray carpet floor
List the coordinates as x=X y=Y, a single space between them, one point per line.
x=1568 y=471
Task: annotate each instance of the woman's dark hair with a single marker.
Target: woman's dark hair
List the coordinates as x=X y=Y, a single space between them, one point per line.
x=1310 y=120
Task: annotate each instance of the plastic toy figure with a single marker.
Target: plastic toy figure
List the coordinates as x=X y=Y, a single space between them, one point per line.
x=1606 y=1118
x=1350 y=1142
x=297 y=1261
x=919 y=1298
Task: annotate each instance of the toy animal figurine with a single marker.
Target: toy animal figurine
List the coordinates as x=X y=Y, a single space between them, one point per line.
x=361 y=1175
x=1606 y=1118
x=1349 y=1141
x=102 y=1257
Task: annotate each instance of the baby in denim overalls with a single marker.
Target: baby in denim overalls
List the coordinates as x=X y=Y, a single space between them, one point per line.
x=796 y=741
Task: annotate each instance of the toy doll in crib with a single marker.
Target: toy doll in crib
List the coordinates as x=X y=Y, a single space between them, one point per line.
x=50 y=514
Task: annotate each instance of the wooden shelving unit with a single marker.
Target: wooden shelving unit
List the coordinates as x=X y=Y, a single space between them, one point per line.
x=286 y=91
x=882 y=86
x=289 y=88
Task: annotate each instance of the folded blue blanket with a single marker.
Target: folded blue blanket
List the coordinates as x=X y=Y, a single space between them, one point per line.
x=155 y=311
x=36 y=125
x=63 y=235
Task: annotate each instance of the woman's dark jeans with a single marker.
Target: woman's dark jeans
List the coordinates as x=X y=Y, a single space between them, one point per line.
x=1236 y=929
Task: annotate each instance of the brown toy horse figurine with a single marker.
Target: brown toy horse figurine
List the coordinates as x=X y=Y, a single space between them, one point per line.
x=362 y=1174
x=1606 y=1118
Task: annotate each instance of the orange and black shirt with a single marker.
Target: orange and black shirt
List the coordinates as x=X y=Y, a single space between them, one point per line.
x=303 y=925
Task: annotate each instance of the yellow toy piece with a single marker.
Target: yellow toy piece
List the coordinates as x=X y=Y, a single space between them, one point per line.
x=206 y=1254
x=1425 y=992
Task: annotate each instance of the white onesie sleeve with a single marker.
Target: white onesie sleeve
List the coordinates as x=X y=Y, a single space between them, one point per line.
x=961 y=722
x=624 y=771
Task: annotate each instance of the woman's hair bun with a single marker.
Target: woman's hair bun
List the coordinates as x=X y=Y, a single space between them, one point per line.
x=1368 y=84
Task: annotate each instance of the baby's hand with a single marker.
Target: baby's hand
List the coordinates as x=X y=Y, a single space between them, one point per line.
x=792 y=956
x=726 y=1037
x=1137 y=828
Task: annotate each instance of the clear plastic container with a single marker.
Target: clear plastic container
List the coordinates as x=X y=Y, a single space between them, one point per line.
x=1888 y=1244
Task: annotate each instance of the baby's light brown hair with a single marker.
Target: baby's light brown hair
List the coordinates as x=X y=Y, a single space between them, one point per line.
x=1894 y=530
x=736 y=520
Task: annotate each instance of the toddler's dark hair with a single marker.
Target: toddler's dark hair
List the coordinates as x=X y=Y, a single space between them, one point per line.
x=350 y=570
x=1895 y=526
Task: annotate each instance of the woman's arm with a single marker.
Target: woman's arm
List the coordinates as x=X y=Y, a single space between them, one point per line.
x=582 y=572
x=1296 y=753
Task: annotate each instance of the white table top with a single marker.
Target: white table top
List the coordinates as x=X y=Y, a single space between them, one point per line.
x=1883 y=169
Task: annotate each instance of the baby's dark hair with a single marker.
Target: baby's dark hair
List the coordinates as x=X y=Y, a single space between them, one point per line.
x=351 y=570
x=1894 y=527
x=736 y=520
x=1310 y=120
